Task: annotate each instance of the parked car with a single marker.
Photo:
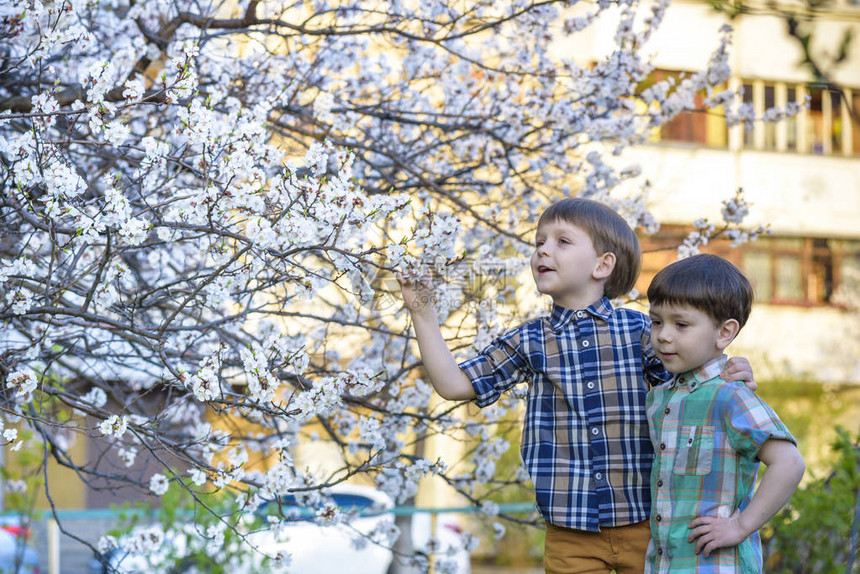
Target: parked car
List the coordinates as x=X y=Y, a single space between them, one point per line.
x=16 y=556
x=316 y=549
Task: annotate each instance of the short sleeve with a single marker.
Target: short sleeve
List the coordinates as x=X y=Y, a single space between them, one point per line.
x=497 y=368
x=655 y=373
x=749 y=421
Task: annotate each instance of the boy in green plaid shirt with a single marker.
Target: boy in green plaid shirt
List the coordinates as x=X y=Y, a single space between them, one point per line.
x=709 y=435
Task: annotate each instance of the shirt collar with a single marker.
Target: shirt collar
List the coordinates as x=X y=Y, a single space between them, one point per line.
x=694 y=379
x=561 y=316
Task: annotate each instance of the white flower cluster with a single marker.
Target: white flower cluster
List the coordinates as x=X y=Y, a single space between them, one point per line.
x=734 y=212
x=703 y=230
x=10 y=435
x=114 y=425
x=96 y=397
x=400 y=481
x=205 y=383
x=262 y=384
x=158 y=484
x=485 y=456
x=23 y=382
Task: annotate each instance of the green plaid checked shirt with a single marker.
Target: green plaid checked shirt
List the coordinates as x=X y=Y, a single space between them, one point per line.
x=707 y=434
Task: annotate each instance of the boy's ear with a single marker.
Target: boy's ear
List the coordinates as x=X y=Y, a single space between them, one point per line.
x=605 y=266
x=727 y=332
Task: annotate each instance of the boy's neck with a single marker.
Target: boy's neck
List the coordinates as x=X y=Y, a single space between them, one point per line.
x=582 y=300
x=719 y=355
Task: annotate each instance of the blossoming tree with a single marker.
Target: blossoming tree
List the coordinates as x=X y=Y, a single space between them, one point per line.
x=203 y=205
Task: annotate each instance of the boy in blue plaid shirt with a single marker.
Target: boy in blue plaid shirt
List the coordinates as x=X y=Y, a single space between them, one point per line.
x=709 y=435
x=589 y=366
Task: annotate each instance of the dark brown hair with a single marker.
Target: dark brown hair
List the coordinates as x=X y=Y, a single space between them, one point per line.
x=707 y=283
x=609 y=233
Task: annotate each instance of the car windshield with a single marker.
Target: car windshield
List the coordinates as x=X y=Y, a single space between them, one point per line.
x=345 y=502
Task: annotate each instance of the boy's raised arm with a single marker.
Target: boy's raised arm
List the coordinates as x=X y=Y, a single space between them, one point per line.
x=445 y=375
x=785 y=468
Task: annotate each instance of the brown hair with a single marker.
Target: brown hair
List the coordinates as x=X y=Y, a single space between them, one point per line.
x=608 y=232
x=705 y=282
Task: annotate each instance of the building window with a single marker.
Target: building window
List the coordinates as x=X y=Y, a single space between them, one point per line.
x=824 y=127
x=698 y=126
x=801 y=271
x=749 y=133
x=769 y=127
x=815 y=123
x=847 y=279
x=855 y=122
x=791 y=123
x=824 y=131
x=836 y=126
x=820 y=129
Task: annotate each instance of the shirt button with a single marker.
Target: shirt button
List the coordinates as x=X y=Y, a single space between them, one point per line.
x=681 y=380
x=660 y=551
x=662 y=446
x=668 y=410
x=580 y=314
x=585 y=343
x=598 y=476
x=659 y=483
x=595 y=431
x=658 y=518
x=590 y=384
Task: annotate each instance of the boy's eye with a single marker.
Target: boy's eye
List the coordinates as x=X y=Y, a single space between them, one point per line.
x=681 y=325
x=564 y=241
x=655 y=321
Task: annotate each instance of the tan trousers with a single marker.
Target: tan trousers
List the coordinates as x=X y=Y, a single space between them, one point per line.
x=622 y=549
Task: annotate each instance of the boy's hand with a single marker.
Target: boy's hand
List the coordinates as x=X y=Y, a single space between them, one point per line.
x=711 y=533
x=739 y=369
x=417 y=295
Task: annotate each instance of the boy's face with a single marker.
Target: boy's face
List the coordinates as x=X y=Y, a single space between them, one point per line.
x=686 y=338
x=564 y=263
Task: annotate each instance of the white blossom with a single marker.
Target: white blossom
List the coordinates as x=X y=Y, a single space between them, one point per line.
x=106 y=543
x=198 y=477
x=498 y=530
x=45 y=104
x=23 y=381
x=489 y=508
x=114 y=426
x=15 y=486
x=127 y=455
x=735 y=209
x=95 y=397
x=158 y=484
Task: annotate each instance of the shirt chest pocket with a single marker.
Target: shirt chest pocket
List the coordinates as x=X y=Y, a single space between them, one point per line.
x=695 y=450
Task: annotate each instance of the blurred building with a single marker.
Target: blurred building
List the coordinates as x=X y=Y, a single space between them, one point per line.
x=802 y=176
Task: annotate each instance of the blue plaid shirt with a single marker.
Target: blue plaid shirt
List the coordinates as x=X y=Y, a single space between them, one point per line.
x=585 y=435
